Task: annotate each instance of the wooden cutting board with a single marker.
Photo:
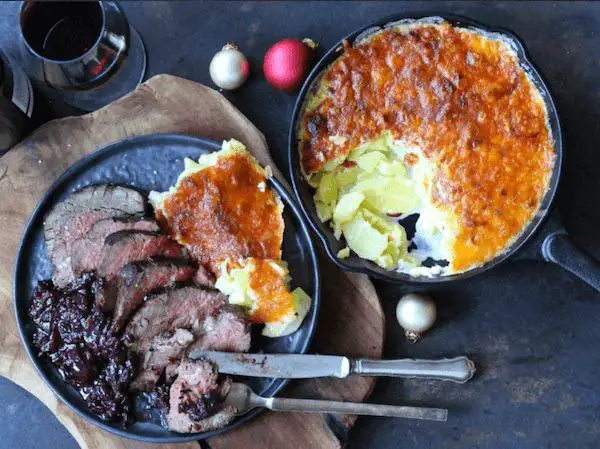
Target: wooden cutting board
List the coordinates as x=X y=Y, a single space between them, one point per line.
x=351 y=321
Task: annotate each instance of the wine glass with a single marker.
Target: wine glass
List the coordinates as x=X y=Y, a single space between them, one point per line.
x=85 y=52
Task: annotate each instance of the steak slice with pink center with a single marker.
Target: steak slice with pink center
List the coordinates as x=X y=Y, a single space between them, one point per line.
x=123 y=247
x=137 y=279
x=215 y=325
x=86 y=252
x=192 y=308
x=74 y=217
x=204 y=278
x=226 y=331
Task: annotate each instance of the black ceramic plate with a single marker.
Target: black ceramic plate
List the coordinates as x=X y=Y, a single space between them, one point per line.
x=304 y=193
x=154 y=163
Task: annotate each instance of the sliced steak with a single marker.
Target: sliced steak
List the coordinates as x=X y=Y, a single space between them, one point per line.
x=165 y=350
x=185 y=307
x=86 y=252
x=196 y=399
x=73 y=218
x=123 y=247
x=227 y=331
x=137 y=279
x=204 y=278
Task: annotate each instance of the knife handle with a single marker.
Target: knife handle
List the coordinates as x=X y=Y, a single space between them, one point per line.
x=459 y=369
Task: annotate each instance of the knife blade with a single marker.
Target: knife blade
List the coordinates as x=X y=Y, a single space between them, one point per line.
x=303 y=366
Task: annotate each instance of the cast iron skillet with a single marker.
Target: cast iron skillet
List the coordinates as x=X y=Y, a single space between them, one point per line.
x=153 y=163
x=555 y=245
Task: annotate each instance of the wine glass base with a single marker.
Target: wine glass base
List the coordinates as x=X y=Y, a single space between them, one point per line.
x=124 y=80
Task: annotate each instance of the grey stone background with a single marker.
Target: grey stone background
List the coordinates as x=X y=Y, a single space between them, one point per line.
x=532 y=328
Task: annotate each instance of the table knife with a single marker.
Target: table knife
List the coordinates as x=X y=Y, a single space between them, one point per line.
x=303 y=366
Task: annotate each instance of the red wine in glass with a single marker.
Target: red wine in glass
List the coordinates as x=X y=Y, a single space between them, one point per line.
x=79 y=49
x=62 y=31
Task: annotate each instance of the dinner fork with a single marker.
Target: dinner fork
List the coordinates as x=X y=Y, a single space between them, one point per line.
x=244 y=399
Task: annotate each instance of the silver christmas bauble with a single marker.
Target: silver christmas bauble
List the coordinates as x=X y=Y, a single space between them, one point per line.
x=416 y=313
x=229 y=68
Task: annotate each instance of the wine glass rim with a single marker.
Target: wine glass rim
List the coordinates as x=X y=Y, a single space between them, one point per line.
x=78 y=58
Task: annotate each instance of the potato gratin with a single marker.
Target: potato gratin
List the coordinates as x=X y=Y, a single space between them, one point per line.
x=223 y=211
x=429 y=119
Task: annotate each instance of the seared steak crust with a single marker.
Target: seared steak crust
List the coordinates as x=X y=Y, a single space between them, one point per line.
x=137 y=279
x=123 y=247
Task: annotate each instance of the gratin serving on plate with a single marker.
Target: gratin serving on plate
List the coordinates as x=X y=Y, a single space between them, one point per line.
x=222 y=210
x=430 y=119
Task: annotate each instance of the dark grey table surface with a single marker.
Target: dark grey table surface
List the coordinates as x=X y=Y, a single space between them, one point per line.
x=532 y=328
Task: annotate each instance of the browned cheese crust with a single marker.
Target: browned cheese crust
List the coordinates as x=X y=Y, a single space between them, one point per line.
x=466 y=102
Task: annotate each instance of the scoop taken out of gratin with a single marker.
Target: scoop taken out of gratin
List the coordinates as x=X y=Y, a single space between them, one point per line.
x=427 y=121
x=223 y=211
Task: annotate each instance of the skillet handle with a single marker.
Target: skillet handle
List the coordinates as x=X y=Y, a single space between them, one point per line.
x=558 y=248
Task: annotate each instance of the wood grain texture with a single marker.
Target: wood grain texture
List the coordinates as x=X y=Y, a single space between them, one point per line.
x=351 y=319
